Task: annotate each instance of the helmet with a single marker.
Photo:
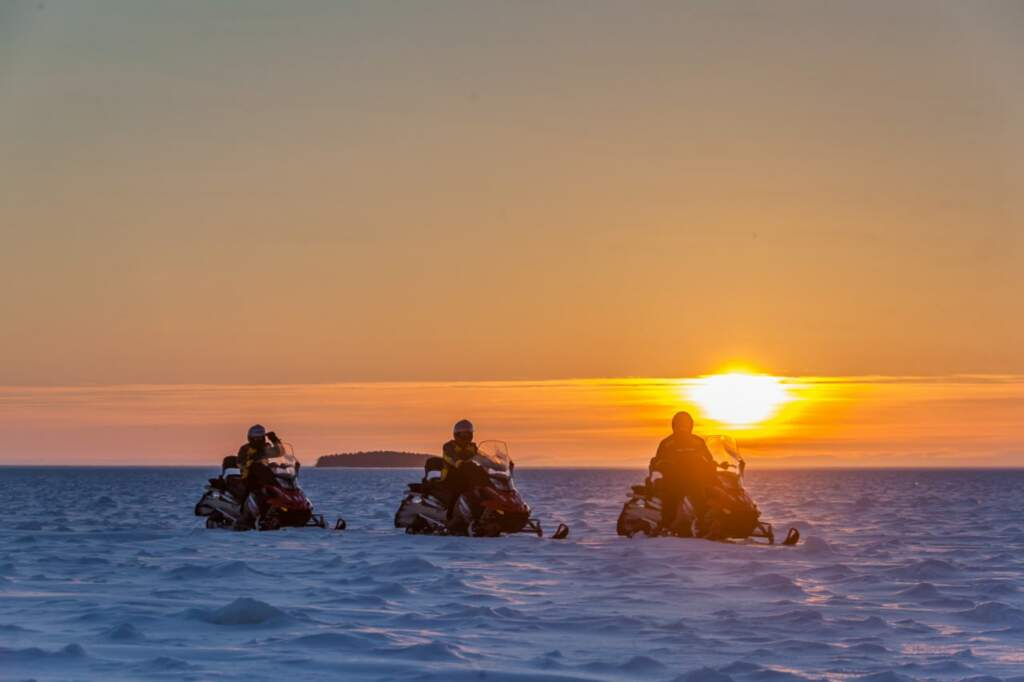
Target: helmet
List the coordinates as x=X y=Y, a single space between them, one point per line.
x=257 y=432
x=463 y=426
x=682 y=422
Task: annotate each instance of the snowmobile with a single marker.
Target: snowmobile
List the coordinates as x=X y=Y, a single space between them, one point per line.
x=490 y=507
x=730 y=513
x=279 y=504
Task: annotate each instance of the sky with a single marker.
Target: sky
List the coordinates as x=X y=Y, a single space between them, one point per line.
x=825 y=422
x=202 y=197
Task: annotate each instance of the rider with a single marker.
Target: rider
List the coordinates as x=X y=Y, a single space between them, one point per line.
x=260 y=444
x=456 y=452
x=687 y=468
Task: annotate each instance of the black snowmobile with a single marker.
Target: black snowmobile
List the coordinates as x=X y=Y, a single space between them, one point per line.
x=490 y=507
x=281 y=503
x=730 y=512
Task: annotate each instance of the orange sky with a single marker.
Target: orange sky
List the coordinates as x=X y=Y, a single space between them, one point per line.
x=217 y=194
x=869 y=421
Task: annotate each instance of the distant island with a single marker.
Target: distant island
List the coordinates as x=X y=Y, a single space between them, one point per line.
x=376 y=458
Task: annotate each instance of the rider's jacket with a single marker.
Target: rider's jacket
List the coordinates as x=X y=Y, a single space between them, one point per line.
x=247 y=455
x=685 y=456
x=455 y=452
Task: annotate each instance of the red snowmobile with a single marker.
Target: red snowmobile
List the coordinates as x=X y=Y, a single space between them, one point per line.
x=729 y=511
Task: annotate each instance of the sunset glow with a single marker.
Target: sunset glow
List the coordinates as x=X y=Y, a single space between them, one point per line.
x=825 y=421
x=360 y=222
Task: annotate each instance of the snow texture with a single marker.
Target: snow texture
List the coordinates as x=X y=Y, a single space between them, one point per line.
x=106 y=575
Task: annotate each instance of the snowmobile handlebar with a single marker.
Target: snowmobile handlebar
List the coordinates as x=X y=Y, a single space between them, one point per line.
x=740 y=466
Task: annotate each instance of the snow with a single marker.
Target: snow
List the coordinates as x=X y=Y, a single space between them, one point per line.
x=106 y=575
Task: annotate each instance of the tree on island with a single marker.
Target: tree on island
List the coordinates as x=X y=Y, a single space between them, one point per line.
x=373 y=458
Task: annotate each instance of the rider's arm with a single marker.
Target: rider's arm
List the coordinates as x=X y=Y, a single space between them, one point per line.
x=468 y=453
x=660 y=455
x=448 y=454
x=709 y=459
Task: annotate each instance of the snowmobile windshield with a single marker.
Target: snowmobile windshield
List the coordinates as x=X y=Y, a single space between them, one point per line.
x=282 y=461
x=726 y=452
x=492 y=455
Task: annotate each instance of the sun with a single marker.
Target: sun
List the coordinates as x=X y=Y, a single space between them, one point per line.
x=739 y=399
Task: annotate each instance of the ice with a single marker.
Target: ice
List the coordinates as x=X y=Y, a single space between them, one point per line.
x=105 y=574
x=243 y=611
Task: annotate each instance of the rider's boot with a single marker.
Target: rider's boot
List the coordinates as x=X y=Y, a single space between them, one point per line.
x=250 y=512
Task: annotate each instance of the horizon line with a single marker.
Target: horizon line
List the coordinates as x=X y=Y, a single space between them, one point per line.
x=838 y=467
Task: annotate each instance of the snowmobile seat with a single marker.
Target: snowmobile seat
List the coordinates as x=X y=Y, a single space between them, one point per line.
x=236 y=486
x=432 y=465
x=435 y=488
x=651 y=487
x=230 y=484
